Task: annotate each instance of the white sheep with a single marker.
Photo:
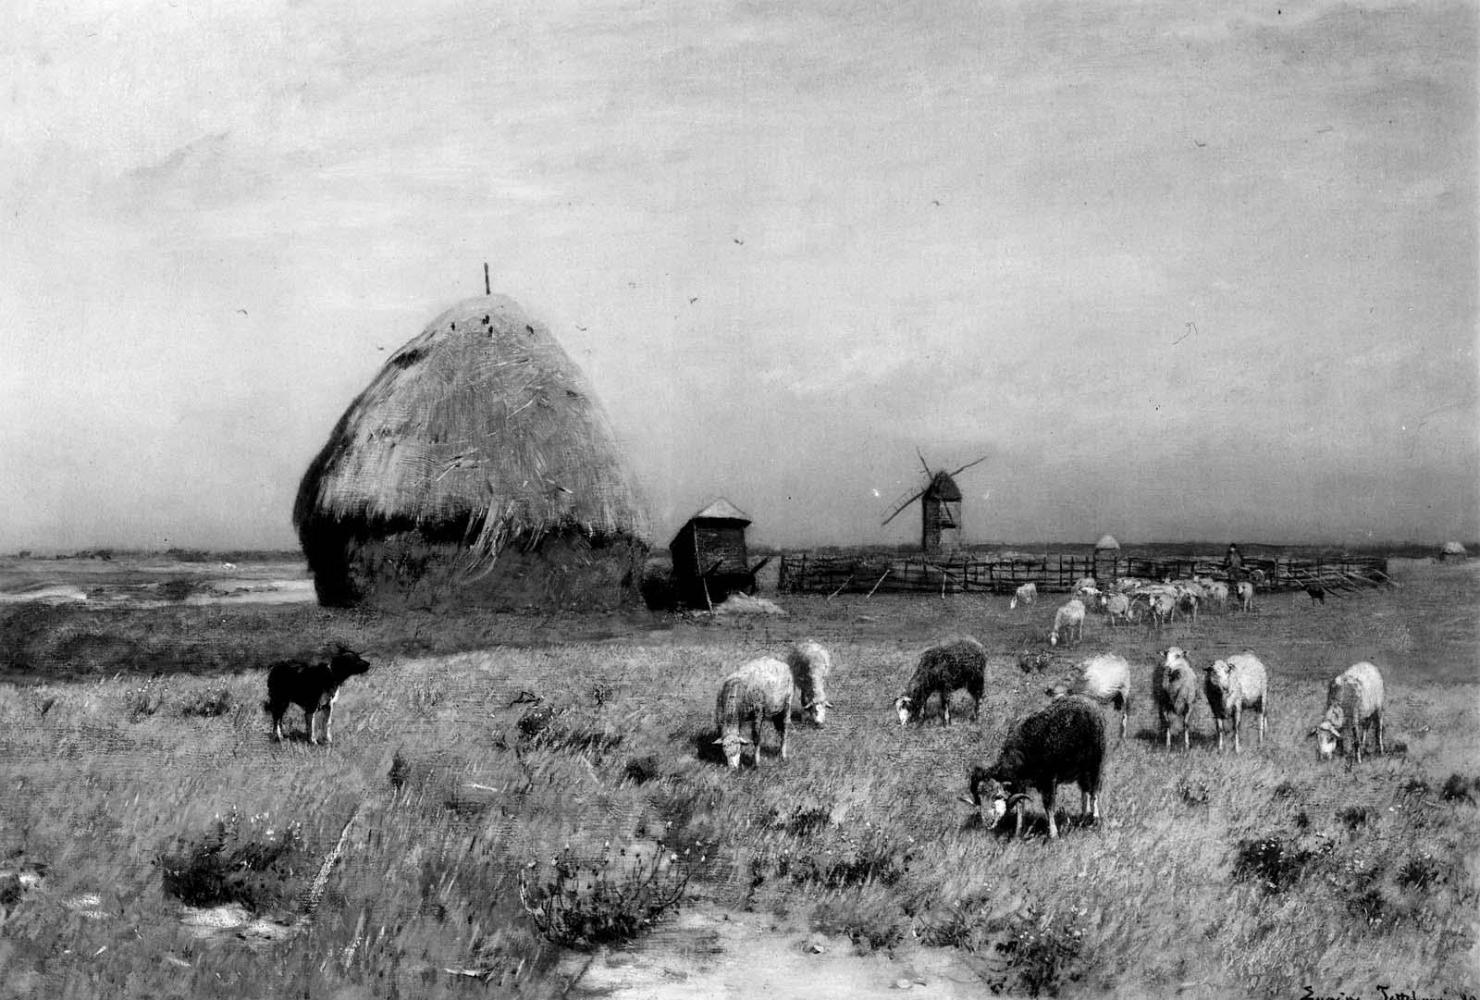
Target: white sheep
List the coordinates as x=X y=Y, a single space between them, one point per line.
x=1233 y=685
x=759 y=689
x=1026 y=594
x=1106 y=678
x=810 y=665
x=1217 y=593
x=1068 y=619
x=1353 y=703
x=1174 y=684
x=1163 y=608
x=1246 y=595
x=1117 y=607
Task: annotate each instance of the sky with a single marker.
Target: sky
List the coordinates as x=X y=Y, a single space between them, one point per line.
x=1176 y=272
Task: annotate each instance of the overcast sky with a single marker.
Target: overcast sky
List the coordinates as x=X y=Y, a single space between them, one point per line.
x=1178 y=273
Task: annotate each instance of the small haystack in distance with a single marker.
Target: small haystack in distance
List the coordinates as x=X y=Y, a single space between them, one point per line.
x=476 y=469
x=1453 y=552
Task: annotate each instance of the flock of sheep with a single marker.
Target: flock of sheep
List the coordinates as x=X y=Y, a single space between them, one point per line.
x=1065 y=740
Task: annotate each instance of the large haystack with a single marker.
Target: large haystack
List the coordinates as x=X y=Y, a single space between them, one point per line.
x=475 y=469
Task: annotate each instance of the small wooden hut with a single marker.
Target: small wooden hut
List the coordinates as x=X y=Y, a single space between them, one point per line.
x=940 y=514
x=710 y=561
x=1107 y=559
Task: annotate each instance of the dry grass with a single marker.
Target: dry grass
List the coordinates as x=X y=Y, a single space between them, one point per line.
x=1210 y=875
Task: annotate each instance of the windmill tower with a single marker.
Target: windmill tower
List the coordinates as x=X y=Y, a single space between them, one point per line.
x=940 y=507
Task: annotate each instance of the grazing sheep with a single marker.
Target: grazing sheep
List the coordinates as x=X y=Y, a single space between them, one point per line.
x=810 y=664
x=1117 y=607
x=1105 y=678
x=1163 y=608
x=1034 y=662
x=1245 y=595
x=1353 y=703
x=1026 y=594
x=312 y=687
x=943 y=668
x=1064 y=741
x=759 y=689
x=1217 y=593
x=1068 y=619
x=1233 y=685
x=1174 y=684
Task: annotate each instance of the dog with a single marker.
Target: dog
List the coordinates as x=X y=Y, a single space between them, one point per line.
x=312 y=687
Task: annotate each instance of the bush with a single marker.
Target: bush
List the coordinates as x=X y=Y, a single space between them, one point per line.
x=871 y=920
x=873 y=855
x=606 y=900
x=1043 y=955
x=244 y=861
x=178 y=588
x=1276 y=863
x=143 y=700
x=210 y=704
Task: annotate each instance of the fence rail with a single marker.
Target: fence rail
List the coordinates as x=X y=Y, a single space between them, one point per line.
x=828 y=573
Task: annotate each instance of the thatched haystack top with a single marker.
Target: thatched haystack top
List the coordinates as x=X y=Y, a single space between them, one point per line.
x=1454 y=549
x=481 y=420
x=1107 y=542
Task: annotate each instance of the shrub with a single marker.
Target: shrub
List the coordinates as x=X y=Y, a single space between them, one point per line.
x=210 y=704
x=849 y=858
x=244 y=861
x=607 y=900
x=143 y=700
x=871 y=920
x=1458 y=788
x=178 y=588
x=1275 y=862
x=1043 y=954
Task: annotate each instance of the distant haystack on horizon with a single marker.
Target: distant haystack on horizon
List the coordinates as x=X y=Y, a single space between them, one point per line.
x=1453 y=551
x=1107 y=542
x=1107 y=558
x=476 y=468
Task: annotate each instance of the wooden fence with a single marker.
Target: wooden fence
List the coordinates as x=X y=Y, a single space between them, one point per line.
x=829 y=573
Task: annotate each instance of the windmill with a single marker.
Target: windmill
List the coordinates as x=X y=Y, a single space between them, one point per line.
x=940 y=507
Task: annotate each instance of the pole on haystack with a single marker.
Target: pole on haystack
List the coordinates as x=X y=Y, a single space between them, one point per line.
x=487 y=288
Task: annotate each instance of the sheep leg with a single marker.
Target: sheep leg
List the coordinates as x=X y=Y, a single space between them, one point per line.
x=1046 y=792
x=1233 y=718
x=945 y=708
x=1218 y=728
x=309 y=714
x=1261 y=725
x=329 y=723
x=1186 y=736
x=781 y=720
x=1377 y=721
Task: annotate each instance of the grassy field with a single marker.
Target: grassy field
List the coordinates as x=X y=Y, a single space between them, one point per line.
x=138 y=769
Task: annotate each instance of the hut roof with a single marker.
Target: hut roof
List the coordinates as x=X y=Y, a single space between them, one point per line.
x=943 y=487
x=1454 y=549
x=1107 y=542
x=481 y=418
x=721 y=510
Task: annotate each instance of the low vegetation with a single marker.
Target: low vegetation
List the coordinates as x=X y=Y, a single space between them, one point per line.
x=1209 y=874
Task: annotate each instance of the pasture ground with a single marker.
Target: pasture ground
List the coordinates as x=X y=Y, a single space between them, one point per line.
x=850 y=868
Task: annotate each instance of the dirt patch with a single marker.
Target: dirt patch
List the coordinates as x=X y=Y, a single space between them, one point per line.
x=710 y=951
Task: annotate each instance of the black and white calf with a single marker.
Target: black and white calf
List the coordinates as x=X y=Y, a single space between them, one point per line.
x=312 y=687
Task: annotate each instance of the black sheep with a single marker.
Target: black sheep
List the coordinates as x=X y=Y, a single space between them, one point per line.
x=311 y=686
x=1063 y=741
x=943 y=668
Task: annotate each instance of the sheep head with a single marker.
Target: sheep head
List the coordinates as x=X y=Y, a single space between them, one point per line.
x=998 y=796
x=731 y=744
x=1328 y=733
x=904 y=707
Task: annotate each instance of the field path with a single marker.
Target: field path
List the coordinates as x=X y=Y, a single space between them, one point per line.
x=711 y=952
